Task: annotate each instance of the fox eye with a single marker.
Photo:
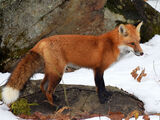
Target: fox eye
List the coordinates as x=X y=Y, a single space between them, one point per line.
x=132 y=43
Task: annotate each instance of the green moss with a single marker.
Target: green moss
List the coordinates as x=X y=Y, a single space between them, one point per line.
x=22 y=107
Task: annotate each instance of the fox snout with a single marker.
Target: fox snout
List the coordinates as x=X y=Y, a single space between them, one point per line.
x=138 y=50
x=138 y=53
x=126 y=49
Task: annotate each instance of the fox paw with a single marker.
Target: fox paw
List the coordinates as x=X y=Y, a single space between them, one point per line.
x=104 y=97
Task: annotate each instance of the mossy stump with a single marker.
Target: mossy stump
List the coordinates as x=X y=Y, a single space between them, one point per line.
x=81 y=99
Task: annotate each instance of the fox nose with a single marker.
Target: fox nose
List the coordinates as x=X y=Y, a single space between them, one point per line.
x=138 y=53
x=141 y=53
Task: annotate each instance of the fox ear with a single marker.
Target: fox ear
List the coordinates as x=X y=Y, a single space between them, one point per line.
x=138 y=28
x=122 y=30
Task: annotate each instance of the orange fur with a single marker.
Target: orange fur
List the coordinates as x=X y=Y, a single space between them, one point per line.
x=27 y=66
x=95 y=52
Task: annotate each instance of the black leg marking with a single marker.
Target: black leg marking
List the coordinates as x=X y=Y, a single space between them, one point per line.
x=102 y=93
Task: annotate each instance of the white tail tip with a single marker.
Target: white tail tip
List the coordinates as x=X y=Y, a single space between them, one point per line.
x=9 y=94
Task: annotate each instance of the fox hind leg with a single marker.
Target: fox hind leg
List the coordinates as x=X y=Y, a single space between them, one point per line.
x=53 y=82
x=54 y=74
x=43 y=83
x=54 y=68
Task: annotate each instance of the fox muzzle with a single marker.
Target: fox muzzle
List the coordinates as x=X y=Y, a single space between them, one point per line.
x=138 y=53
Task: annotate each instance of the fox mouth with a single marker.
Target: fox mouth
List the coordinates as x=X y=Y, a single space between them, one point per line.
x=135 y=52
x=126 y=49
x=138 y=53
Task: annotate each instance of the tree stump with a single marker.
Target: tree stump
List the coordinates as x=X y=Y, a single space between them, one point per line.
x=81 y=99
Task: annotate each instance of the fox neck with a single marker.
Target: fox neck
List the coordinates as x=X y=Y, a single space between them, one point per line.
x=112 y=38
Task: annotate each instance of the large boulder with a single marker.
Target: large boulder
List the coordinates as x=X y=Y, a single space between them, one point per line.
x=24 y=22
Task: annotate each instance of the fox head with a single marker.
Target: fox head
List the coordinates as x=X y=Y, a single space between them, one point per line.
x=129 y=39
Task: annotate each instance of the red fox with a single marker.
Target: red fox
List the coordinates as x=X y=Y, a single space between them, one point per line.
x=55 y=52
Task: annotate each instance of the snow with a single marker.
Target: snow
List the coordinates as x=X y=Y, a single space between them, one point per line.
x=155 y=4
x=5 y=114
x=4 y=77
x=99 y=118
x=118 y=75
x=152 y=117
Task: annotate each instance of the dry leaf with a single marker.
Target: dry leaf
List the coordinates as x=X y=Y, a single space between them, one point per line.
x=35 y=116
x=115 y=115
x=41 y=116
x=62 y=110
x=60 y=117
x=146 y=117
x=156 y=114
x=141 y=75
x=134 y=74
x=134 y=113
x=32 y=117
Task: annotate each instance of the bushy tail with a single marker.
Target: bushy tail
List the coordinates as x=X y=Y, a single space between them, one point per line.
x=27 y=66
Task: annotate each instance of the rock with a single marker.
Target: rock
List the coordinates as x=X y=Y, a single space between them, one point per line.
x=23 y=23
x=82 y=99
x=132 y=11
x=26 y=22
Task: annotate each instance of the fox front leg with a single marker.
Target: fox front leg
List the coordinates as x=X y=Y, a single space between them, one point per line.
x=103 y=94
